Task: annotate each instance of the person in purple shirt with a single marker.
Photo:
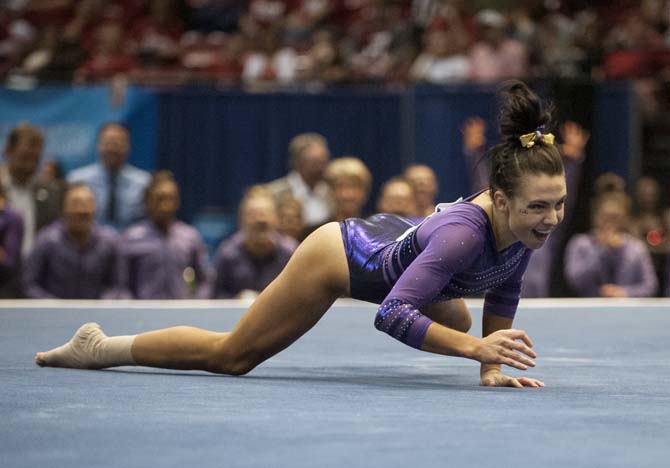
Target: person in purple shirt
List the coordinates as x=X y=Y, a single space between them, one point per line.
x=11 y=240
x=418 y=273
x=73 y=258
x=607 y=261
x=253 y=256
x=162 y=257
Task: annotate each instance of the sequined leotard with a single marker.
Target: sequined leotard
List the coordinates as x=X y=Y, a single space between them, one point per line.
x=450 y=254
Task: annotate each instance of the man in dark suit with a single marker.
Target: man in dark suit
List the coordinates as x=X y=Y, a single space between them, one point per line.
x=37 y=202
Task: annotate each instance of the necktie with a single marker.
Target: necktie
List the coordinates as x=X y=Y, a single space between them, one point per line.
x=111 y=198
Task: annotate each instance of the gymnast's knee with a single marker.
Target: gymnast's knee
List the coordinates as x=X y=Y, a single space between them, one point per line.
x=231 y=362
x=462 y=323
x=452 y=314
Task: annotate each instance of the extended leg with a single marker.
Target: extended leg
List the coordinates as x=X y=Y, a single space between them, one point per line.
x=316 y=275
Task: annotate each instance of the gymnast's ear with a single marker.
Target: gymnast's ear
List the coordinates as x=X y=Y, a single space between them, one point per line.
x=500 y=201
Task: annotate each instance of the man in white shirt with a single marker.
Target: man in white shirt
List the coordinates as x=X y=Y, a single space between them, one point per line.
x=309 y=156
x=37 y=202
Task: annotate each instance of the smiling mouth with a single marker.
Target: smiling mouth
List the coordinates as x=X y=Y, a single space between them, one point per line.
x=541 y=235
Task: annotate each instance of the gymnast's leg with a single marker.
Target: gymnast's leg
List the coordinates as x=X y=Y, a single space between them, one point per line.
x=453 y=314
x=316 y=275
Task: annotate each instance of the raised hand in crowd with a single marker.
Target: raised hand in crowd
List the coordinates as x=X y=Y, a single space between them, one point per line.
x=474 y=134
x=575 y=137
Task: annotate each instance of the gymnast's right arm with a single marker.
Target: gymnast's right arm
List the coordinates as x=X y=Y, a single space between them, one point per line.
x=449 y=249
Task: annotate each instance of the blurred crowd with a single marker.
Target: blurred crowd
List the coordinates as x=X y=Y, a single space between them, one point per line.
x=263 y=44
x=110 y=230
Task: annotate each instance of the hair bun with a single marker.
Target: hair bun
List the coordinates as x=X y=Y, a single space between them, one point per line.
x=521 y=111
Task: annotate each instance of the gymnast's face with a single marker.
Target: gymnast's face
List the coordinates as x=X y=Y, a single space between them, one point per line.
x=535 y=210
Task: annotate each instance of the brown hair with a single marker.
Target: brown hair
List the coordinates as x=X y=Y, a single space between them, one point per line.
x=620 y=198
x=158 y=178
x=256 y=191
x=349 y=166
x=24 y=131
x=301 y=142
x=74 y=186
x=521 y=112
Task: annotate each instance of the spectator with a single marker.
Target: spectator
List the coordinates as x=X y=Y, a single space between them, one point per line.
x=251 y=259
x=424 y=183
x=81 y=26
x=11 y=236
x=63 y=51
x=52 y=173
x=258 y=67
x=646 y=208
x=325 y=58
x=628 y=45
x=263 y=14
x=350 y=181
x=474 y=151
x=441 y=61
x=161 y=257
x=291 y=223
x=397 y=197
x=73 y=258
x=649 y=224
x=377 y=43
x=309 y=156
x=110 y=58
x=118 y=187
x=215 y=57
x=609 y=182
x=557 y=52
x=306 y=15
x=157 y=35
x=607 y=261
x=588 y=37
x=38 y=203
x=17 y=37
x=496 y=57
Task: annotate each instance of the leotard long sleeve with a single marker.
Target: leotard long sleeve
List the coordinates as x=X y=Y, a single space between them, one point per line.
x=451 y=254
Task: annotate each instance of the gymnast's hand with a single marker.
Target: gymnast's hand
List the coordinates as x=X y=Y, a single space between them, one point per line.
x=506 y=347
x=495 y=378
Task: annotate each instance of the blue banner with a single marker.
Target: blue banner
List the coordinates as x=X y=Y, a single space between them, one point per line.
x=70 y=119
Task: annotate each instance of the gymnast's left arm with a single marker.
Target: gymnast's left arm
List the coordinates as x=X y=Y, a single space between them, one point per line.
x=447 y=249
x=500 y=306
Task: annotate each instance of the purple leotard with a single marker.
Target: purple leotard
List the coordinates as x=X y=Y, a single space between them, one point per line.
x=404 y=266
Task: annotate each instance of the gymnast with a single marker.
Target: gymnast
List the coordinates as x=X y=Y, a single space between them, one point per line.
x=419 y=273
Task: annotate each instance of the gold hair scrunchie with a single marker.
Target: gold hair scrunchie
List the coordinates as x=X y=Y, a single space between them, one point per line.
x=528 y=140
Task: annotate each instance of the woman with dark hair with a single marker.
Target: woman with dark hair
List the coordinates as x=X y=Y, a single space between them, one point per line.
x=419 y=273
